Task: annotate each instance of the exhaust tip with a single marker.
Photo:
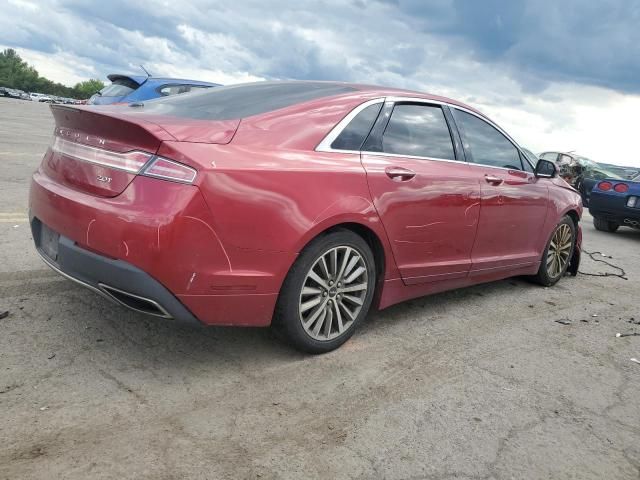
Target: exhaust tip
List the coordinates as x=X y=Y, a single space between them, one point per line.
x=135 y=302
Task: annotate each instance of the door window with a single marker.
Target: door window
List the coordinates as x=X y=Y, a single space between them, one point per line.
x=485 y=143
x=418 y=130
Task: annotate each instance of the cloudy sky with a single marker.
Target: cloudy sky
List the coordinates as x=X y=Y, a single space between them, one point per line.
x=556 y=74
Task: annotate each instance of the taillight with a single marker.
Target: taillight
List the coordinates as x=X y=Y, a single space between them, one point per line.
x=131 y=162
x=606 y=186
x=621 y=187
x=169 y=170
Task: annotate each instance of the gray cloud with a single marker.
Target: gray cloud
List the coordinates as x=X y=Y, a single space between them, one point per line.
x=410 y=43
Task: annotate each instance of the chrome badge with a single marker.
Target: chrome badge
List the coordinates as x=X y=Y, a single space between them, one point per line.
x=102 y=178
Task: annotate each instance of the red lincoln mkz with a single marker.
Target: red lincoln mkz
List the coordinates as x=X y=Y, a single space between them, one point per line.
x=294 y=203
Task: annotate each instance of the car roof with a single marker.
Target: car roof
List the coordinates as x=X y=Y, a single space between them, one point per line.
x=379 y=91
x=140 y=79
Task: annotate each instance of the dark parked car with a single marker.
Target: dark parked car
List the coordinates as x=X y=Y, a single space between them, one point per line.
x=298 y=203
x=580 y=172
x=136 y=88
x=615 y=204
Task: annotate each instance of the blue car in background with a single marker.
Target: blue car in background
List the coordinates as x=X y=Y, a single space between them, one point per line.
x=137 y=88
x=615 y=203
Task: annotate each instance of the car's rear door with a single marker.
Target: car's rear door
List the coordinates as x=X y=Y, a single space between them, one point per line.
x=514 y=201
x=425 y=193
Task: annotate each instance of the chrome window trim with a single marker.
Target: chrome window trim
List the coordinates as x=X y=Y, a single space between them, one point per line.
x=416 y=157
x=325 y=144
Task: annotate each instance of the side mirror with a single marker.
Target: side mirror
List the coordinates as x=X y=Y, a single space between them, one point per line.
x=546 y=169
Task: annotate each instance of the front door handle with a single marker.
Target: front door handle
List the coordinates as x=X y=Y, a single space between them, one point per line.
x=399 y=174
x=493 y=180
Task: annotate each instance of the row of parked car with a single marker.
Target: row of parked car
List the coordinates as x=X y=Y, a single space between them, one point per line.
x=611 y=193
x=14 y=93
x=584 y=174
x=123 y=89
x=37 y=97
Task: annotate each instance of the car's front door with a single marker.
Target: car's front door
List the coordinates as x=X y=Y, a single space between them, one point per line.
x=514 y=202
x=425 y=193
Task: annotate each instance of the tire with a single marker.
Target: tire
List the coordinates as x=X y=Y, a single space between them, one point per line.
x=605 y=225
x=559 y=246
x=315 y=316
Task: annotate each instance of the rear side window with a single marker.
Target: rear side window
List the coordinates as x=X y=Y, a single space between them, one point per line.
x=167 y=90
x=119 y=88
x=354 y=135
x=486 y=144
x=175 y=89
x=240 y=101
x=418 y=130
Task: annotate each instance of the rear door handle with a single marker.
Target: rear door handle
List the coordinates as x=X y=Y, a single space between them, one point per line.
x=399 y=174
x=493 y=180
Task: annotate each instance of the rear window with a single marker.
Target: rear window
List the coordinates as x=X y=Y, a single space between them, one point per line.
x=172 y=90
x=240 y=101
x=119 y=88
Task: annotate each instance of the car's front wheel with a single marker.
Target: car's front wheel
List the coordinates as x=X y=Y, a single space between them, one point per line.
x=327 y=292
x=605 y=225
x=557 y=255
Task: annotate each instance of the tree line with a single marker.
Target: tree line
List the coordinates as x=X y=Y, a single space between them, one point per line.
x=16 y=73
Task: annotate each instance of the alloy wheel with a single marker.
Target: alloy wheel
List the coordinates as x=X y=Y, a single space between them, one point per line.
x=559 y=250
x=333 y=293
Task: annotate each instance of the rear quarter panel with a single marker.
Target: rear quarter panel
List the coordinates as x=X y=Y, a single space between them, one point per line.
x=270 y=191
x=279 y=200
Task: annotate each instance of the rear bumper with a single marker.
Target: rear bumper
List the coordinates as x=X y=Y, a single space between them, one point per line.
x=612 y=207
x=158 y=240
x=115 y=280
x=621 y=218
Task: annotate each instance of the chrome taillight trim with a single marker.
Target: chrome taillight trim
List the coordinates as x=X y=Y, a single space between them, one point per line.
x=124 y=161
x=151 y=164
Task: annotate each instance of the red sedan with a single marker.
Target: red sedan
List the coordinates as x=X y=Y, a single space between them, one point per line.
x=298 y=204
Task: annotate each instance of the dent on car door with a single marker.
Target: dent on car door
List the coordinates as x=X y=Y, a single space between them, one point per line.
x=425 y=193
x=514 y=202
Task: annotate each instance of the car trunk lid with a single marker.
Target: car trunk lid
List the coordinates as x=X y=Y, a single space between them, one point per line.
x=101 y=151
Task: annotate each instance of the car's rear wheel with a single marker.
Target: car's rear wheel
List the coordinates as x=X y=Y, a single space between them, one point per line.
x=605 y=225
x=557 y=255
x=327 y=292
